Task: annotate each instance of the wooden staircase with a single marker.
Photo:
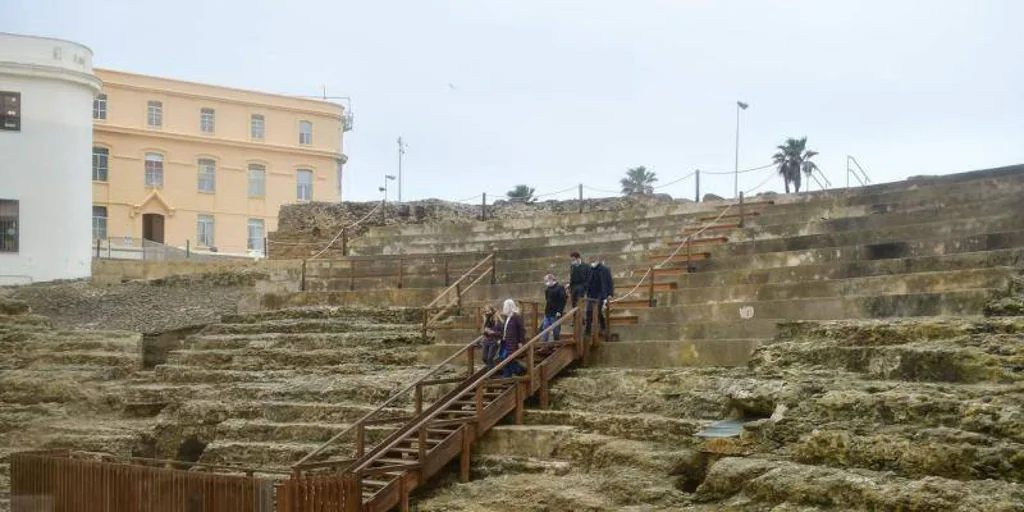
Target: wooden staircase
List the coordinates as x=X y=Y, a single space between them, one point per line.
x=381 y=476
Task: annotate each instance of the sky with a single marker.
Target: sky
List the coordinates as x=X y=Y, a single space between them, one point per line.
x=553 y=93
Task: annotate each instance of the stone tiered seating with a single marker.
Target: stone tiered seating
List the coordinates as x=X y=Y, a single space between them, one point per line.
x=919 y=248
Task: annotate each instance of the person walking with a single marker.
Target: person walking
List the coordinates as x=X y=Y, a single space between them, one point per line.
x=492 y=330
x=554 y=306
x=513 y=335
x=579 y=274
x=600 y=288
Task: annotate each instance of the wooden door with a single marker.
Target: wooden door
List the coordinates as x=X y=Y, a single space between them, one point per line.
x=153 y=227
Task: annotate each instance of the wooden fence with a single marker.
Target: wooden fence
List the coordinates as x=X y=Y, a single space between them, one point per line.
x=58 y=482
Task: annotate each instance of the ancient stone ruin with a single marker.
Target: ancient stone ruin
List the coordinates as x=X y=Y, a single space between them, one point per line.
x=840 y=350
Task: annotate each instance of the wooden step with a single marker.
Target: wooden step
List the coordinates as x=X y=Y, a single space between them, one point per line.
x=625 y=319
x=680 y=257
x=375 y=483
x=736 y=204
x=736 y=215
x=669 y=272
x=631 y=303
x=705 y=229
x=665 y=286
x=391 y=461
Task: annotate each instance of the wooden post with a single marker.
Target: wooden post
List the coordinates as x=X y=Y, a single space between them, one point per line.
x=426 y=318
x=401 y=272
x=545 y=397
x=479 y=401
x=494 y=269
x=483 y=206
x=361 y=440
x=188 y=249
x=352 y=274
x=650 y=288
x=519 y=402
x=403 y=494
x=98 y=242
x=696 y=195
x=581 y=198
x=302 y=284
x=446 y=275
x=353 y=495
x=458 y=295
x=741 y=209
x=689 y=253
x=469 y=361
x=344 y=242
x=464 y=455
x=531 y=372
x=423 y=445
x=266 y=248
x=419 y=398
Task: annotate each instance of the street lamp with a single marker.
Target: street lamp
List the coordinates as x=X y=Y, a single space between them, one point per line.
x=736 y=184
x=401 y=151
x=387 y=178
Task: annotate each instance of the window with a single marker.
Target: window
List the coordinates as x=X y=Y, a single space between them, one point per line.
x=154 y=170
x=207 y=175
x=255 y=235
x=100 y=163
x=304 y=182
x=206 y=120
x=204 y=230
x=257 y=180
x=10 y=111
x=305 y=132
x=8 y=225
x=257 y=126
x=155 y=115
x=99 y=107
x=99 y=222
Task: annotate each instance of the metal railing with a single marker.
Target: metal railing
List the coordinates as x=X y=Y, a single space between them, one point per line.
x=65 y=481
x=397 y=269
x=854 y=169
x=131 y=248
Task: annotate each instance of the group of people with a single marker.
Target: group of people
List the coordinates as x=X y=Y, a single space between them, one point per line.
x=503 y=333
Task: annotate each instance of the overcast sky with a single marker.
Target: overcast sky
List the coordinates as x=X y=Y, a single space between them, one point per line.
x=552 y=93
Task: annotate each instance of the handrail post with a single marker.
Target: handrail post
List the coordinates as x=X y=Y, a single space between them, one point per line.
x=650 y=288
x=361 y=439
x=426 y=318
x=401 y=272
x=581 y=198
x=696 y=195
x=741 y=209
x=302 y=283
x=458 y=295
x=494 y=268
x=419 y=398
x=423 y=444
x=344 y=241
x=483 y=207
x=469 y=362
x=689 y=253
x=447 y=279
x=479 y=401
x=353 y=494
x=352 y=274
x=530 y=371
x=98 y=242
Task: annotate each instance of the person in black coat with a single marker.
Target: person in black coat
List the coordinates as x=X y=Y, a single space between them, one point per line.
x=579 y=274
x=600 y=288
x=554 y=306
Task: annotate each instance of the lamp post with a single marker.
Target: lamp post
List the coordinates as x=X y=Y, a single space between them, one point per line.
x=387 y=178
x=401 y=151
x=736 y=182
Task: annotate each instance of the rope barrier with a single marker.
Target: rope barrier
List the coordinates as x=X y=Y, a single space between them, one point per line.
x=354 y=224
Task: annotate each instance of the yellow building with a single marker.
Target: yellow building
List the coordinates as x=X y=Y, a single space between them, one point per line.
x=182 y=163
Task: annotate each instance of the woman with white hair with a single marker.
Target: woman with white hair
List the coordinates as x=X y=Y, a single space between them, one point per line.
x=513 y=335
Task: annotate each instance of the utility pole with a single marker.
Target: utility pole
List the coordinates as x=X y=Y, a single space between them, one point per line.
x=401 y=151
x=736 y=183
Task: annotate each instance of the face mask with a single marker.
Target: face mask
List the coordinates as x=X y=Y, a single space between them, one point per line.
x=594 y=265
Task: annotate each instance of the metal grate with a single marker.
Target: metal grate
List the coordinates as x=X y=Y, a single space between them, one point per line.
x=8 y=225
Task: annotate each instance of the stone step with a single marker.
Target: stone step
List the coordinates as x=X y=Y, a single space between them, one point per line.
x=357 y=315
x=79 y=359
x=921 y=282
x=279 y=455
x=306 y=341
x=61 y=341
x=254 y=359
x=640 y=427
x=959 y=302
x=244 y=431
x=304 y=326
x=852 y=269
x=790 y=485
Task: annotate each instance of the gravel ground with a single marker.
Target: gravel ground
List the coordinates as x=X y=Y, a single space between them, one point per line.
x=146 y=307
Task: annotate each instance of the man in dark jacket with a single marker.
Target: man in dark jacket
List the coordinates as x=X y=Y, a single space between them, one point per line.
x=600 y=288
x=579 y=274
x=554 y=306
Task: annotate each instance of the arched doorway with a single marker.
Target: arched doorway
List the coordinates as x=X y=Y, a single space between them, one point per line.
x=153 y=227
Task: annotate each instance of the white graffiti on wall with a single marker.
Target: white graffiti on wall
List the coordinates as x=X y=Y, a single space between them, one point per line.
x=747 y=312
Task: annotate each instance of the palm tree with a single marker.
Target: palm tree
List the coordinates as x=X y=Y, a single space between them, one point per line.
x=638 y=182
x=793 y=159
x=522 y=194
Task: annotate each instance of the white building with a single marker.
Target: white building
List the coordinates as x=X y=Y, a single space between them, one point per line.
x=46 y=92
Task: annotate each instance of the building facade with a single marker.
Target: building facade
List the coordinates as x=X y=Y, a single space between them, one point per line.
x=46 y=88
x=205 y=167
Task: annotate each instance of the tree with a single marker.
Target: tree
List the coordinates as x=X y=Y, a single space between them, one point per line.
x=522 y=194
x=793 y=159
x=638 y=181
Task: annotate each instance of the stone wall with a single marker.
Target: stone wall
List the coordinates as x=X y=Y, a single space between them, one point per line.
x=305 y=229
x=271 y=275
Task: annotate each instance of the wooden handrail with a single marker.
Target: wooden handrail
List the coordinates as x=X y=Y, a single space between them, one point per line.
x=440 y=407
x=298 y=465
x=459 y=280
